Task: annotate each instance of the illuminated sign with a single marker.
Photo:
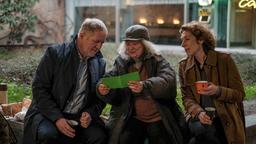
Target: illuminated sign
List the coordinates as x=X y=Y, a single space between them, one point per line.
x=205 y=2
x=204 y=15
x=204 y=11
x=247 y=3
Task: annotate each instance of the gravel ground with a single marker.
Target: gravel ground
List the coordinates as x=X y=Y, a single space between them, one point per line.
x=250 y=107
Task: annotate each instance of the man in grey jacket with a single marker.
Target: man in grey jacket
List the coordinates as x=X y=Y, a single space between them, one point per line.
x=64 y=90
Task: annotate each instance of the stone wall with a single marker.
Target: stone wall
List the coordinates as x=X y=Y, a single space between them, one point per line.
x=49 y=27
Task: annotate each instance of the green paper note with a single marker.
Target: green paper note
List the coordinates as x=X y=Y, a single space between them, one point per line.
x=120 y=81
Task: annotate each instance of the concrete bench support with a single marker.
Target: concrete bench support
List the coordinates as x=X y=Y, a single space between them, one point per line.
x=250 y=129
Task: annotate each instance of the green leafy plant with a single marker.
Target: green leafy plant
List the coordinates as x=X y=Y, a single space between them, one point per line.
x=16 y=92
x=250 y=91
x=16 y=18
x=246 y=64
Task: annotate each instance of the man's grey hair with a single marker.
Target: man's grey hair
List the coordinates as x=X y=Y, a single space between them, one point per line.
x=92 y=25
x=149 y=48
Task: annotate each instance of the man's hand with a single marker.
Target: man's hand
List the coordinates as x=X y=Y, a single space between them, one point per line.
x=135 y=86
x=85 y=119
x=103 y=89
x=65 y=128
x=204 y=118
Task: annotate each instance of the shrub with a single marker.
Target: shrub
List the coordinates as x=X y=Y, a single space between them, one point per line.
x=250 y=91
x=19 y=65
x=246 y=64
x=16 y=92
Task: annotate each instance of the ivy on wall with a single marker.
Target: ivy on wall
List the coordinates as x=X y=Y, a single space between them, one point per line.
x=16 y=18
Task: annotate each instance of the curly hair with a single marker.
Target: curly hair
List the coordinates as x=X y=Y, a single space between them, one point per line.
x=201 y=32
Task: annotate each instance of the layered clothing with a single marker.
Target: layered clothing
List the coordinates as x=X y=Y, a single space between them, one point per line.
x=160 y=86
x=221 y=70
x=55 y=82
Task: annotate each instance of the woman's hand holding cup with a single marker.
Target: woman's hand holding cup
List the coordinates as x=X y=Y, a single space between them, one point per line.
x=206 y=88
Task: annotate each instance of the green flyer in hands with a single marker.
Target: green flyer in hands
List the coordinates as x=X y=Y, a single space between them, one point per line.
x=120 y=81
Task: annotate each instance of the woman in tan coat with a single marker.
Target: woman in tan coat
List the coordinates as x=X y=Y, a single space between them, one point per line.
x=225 y=91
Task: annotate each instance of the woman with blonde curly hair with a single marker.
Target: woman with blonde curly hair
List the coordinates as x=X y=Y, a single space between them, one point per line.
x=224 y=92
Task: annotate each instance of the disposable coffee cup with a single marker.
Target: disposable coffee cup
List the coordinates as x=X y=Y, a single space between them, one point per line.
x=210 y=111
x=72 y=123
x=200 y=85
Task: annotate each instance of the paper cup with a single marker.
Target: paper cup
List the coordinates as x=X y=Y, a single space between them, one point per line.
x=210 y=111
x=200 y=85
x=72 y=123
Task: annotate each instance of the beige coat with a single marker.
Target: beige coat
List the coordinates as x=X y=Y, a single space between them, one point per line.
x=222 y=71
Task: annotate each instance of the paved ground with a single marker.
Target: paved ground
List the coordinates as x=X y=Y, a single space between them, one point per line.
x=250 y=107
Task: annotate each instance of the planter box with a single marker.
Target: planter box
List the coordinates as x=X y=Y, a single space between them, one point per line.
x=11 y=109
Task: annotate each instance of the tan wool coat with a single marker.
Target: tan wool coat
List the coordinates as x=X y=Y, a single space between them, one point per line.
x=220 y=70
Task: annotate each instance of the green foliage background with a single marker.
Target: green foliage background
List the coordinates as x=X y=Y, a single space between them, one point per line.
x=17 y=17
x=17 y=68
